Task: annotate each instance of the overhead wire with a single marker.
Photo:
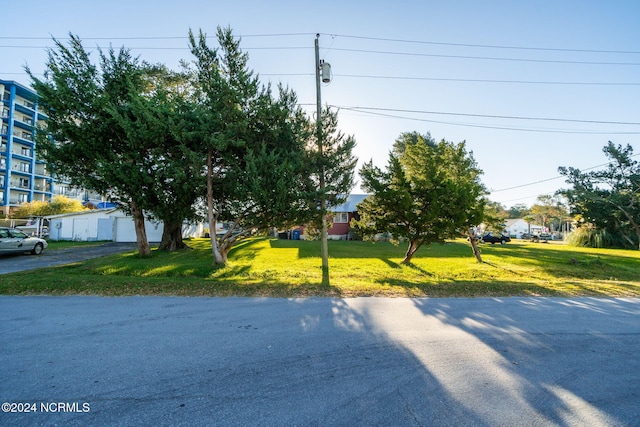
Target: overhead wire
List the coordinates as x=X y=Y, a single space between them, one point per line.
x=520 y=129
x=555 y=177
x=551 y=49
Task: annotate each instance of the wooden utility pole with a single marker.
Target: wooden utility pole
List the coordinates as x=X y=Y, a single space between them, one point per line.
x=323 y=201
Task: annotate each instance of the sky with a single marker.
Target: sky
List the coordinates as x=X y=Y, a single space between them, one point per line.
x=528 y=85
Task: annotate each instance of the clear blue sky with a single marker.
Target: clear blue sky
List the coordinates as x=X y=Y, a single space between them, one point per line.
x=407 y=62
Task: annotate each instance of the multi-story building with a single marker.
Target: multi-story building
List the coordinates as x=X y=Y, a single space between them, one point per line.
x=23 y=177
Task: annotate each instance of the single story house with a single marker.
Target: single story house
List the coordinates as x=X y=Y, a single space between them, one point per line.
x=108 y=224
x=518 y=227
x=342 y=216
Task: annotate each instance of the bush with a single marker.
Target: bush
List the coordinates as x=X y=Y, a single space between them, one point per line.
x=588 y=236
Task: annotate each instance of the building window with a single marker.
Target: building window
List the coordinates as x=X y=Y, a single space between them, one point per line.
x=24 y=183
x=24 y=167
x=26 y=135
x=22 y=198
x=341 y=218
x=25 y=151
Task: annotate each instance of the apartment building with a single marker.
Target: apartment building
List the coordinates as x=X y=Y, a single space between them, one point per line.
x=23 y=177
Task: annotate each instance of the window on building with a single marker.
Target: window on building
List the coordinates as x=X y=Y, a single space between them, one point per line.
x=25 y=151
x=26 y=135
x=24 y=182
x=23 y=198
x=24 y=167
x=1 y=180
x=341 y=217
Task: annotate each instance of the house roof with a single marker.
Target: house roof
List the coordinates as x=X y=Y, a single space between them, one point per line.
x=86 y=212
x=350 y=205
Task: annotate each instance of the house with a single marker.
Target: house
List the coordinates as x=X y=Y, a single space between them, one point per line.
x=518 y=227
x=342 y=216
x=108 y=224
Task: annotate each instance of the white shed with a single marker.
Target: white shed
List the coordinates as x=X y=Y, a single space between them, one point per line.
x=82 y=226
x=108 y=224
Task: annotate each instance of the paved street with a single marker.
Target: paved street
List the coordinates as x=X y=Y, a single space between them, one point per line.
x=363 y=361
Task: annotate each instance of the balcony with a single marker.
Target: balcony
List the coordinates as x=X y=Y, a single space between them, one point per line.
x=22 y=184
x=27 y=136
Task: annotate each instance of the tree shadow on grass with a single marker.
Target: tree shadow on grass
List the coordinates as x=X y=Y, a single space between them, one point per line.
x=419 y=269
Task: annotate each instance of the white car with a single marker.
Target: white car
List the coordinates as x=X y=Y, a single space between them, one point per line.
x=12 y=240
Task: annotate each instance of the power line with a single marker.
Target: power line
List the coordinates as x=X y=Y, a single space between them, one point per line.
x=486 y=46
x=489 y=80
x=519 y=129
x=449 y=79
x=347 y=36
x=151 y=37
x=555 y=177
x=489 y=58
x=490 y=116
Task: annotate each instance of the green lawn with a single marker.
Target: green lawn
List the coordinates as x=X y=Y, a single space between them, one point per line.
x=284 y=268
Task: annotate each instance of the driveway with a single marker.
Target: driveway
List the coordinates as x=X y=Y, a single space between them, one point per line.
x=11 y=263
x=161 y=361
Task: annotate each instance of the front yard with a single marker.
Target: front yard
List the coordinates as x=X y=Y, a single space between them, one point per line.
x=286 y=268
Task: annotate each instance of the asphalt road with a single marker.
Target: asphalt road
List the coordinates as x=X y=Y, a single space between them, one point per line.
x=10 y=263
x=161 y=361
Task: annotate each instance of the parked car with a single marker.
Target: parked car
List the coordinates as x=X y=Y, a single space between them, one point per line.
x=490 y=238
x=12 y=240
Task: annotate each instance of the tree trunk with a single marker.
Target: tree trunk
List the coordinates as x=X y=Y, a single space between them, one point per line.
x=219 y=257
x=414 y=245
x=172 y=237
x=141 y=233
x=473 y=239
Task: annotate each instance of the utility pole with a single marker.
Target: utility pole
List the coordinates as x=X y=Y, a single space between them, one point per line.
x=323 y=201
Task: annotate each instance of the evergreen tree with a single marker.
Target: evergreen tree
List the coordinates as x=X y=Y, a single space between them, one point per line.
x=429 y=192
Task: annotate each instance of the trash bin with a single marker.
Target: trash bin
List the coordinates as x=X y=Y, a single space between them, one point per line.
x=296 y=235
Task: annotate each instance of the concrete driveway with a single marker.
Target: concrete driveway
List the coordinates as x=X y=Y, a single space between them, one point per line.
x=11 y=263
x=159 y=361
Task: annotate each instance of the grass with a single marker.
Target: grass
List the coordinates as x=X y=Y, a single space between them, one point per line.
x=285 y=268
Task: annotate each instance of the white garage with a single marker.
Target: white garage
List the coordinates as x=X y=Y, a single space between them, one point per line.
x=124 y=230
x=107 y=224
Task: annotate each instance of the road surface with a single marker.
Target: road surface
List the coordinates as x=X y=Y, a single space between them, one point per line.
x=169 y=361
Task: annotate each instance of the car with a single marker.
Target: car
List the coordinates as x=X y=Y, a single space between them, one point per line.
x=490 y=238
x=13 y=240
